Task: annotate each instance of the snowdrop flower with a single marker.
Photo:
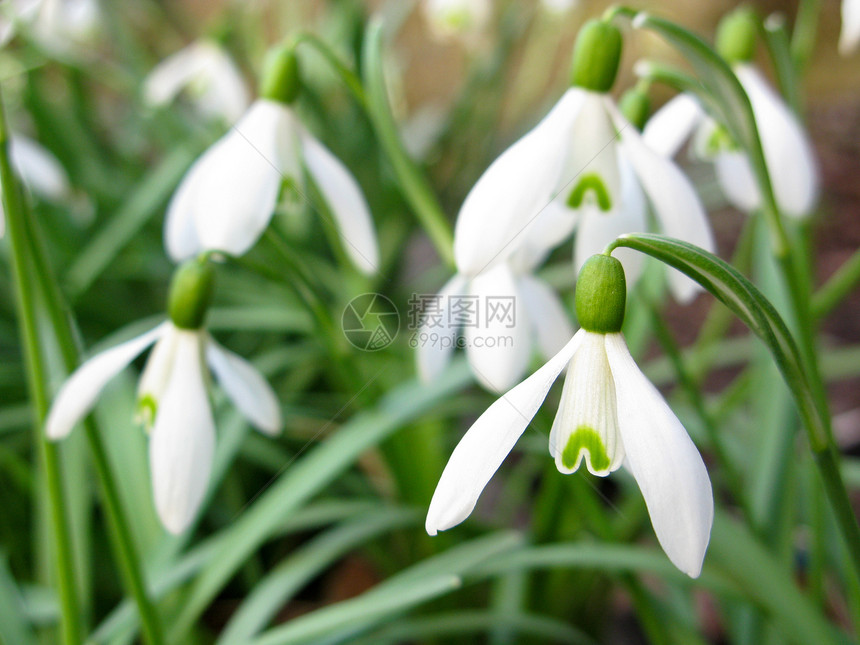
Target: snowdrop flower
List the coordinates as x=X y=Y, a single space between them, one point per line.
x=586 y=162
x=13 y=12
x=172 y=396
x=849 y=37
x=787 y=151
x=610 y=415
x=60 y=26
x=512 y=311
x=457 y=18
x=38 y=169
x=227 y=197
x=207 y=74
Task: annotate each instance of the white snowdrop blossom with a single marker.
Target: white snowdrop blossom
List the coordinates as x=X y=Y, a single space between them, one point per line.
x=514 y=311
x=609 y=415
x=583 y=160
x=39 y=171
x=13 y=12
x=559 y=6
x=227 y=197
x=457 y=18
x=206 y=74
x=60 y=26
x=787 y=150
x=173 y=402
x=849 y=37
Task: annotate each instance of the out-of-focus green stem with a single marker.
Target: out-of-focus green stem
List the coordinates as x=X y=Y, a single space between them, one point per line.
x=840 y=284
x=16 y=215
x=805 y=33
x=374 y=102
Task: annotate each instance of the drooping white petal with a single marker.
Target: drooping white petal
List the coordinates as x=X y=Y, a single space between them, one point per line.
x=737 y=180
x=38 y=169
x=346 y=201
x=597 y=229
x=78 y=394
x=517 y=186
x=672 y=125
x=436 y=334
x=207 y=73
x=849 y=36
x=546 y=314
x=499 y=337
x=180 y=231
x=551 y=227
x=664 y=461
x=234 y=186
x=586 y=424
x=591 y=168
x=465 y=18
x=787 y=150
x=678 y=208
x=486 y=444
x=246 y=387
x=183 y=438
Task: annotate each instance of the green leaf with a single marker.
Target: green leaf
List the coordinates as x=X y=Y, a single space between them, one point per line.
x=306 y=477
x=744 y=299
x=13 y=623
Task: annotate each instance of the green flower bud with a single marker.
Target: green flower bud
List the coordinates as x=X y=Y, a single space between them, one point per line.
x=635 y=105
x=601 y=294
x=190 y=293
x=281 y=81
x=596 y=56
x=736 y=35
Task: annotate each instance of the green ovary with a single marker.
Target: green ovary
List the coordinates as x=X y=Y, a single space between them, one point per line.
x=587 y=439
x=588 y=183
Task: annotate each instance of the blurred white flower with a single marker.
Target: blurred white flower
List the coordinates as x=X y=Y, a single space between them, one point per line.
x=609 y=415
x=13 y=12
x=499 y=347
x=206 y=74
x=39 y=171
x=227 y=197
x=457 y=18
x=60 y=26
x=173 y=401
x=559 y=6
x=849 y=37
x=586 y=162
x=787 y=150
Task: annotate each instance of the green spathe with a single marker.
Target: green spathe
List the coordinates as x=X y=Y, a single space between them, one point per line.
x=736 y=35
x=596 y=56
x=601 y=295
x=191 y=293
x=587 y=439
x=635 y=105
x=281 y=81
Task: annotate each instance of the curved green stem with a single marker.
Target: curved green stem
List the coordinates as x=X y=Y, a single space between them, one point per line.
x=38 y=386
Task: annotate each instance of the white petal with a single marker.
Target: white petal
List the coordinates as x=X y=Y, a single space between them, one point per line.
x=678 y=208
x=593 y=155
x=234 y=194
x=551 y=227
x=672 y=125
x=486 y=444
x=246 y=387
x=183 y=438
x=787 y=149
x=38 y=168
x=180 y=231
x=436 y=335
x=849 y=37
x=156 y=375
x=170 y=76
x=499 y=340
x=78 y=394
x=664 y=461
x=586 y=424
x=737 y=180
x=347 y=204
x=546 y=314
x=511 y=193
x=597 y=229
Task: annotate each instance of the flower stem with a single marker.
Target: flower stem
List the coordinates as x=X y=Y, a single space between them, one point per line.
x=840 y=284
x=122 y=540
x=38 y=386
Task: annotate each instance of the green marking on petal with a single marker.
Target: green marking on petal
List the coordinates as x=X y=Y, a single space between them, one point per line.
x=593 y=183
x=718 y=141
x=587 y=439
x=146 y=409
